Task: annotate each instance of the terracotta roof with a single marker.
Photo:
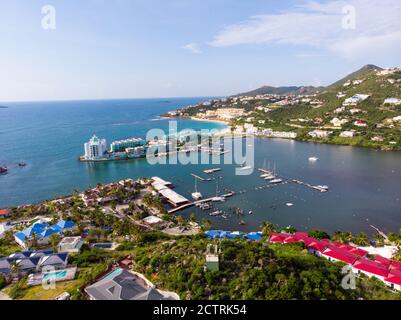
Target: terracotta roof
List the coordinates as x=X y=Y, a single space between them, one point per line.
x=371 y=267
x=4 y=212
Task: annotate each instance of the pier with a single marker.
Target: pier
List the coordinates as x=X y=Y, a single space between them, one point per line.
x=320 y=188
x=191 y=204
x=200 y=178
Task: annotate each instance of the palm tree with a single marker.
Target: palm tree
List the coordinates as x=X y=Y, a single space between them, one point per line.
x=15 y=269
x=54 y=239
x=268 y=228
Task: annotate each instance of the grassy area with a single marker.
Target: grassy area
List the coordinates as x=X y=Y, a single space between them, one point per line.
x=38 y=293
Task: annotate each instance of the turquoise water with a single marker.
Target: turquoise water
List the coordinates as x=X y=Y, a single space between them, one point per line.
x=55 y=275
x=49 y=137
x=365 y=185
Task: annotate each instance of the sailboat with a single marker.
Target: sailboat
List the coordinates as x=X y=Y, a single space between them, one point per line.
x=196 y=195
x=275 y=179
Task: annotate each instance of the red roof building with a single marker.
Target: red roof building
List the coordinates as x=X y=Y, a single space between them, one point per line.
x=290 y=239
x=4 y=212
x=358 y=252
x=337 y=254
x=278 y=237
x=317 y=245
x=394 y=279
x=383 y=261
x=395 y=265
x=300 y=235
x=371 y=268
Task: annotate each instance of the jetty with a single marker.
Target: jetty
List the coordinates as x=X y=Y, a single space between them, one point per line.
x=191 y=204
x=320 y=188
x=200 y=178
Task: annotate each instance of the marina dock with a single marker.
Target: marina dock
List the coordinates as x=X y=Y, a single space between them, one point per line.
x=200 y=178
x=320 y=188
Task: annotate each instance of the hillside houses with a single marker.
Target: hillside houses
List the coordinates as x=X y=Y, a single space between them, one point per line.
x=392 y=101
x=354 y=100
x=347 y=134
x=320 y=133
x=41 y=232
x=338 y=122
x=360 y=123
x=386 y=270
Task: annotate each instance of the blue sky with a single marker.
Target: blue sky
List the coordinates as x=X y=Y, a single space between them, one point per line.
x=170 y=48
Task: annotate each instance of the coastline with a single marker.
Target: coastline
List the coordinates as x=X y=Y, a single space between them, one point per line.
x=295 y=139
x=211 y=120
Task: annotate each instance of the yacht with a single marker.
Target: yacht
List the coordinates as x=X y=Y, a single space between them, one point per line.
x=274 y=181
x=3 y=170
x=313 y=159
x=245 y=168
x=196 y=195
x=269 y=177
x=216 y=213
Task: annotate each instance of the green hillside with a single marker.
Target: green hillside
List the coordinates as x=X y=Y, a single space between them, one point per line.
x=366 y=123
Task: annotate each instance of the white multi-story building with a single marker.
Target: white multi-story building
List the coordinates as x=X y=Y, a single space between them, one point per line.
x=95 y=148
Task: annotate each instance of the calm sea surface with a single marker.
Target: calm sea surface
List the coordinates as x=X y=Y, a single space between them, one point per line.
x=365 y=185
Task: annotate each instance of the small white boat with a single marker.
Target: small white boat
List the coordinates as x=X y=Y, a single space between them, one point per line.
x=276 y=181
x=196 y=196
x=269 y=177
x=245 y=168
x=289 y=204
x=216 y=213
x=313 y=159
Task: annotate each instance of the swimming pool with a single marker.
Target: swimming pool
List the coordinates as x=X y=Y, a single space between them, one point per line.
x=103 y=245
x=55 y=275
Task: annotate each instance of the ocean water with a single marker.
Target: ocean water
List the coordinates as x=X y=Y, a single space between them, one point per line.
x=365 y=185
x=49 y=137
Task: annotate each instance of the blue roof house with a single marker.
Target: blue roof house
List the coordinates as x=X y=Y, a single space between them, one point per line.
x=41 y=232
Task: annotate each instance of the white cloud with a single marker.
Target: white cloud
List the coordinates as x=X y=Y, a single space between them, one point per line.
x=320 y=25
x=192 y=47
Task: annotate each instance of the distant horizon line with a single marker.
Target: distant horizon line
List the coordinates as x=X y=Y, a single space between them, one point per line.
x=3 y=103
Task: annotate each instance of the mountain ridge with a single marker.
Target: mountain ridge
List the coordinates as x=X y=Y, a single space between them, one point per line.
x=284 y=90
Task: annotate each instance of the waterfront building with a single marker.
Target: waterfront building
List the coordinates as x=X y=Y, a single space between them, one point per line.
x=123 y=145
x=95 y=148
